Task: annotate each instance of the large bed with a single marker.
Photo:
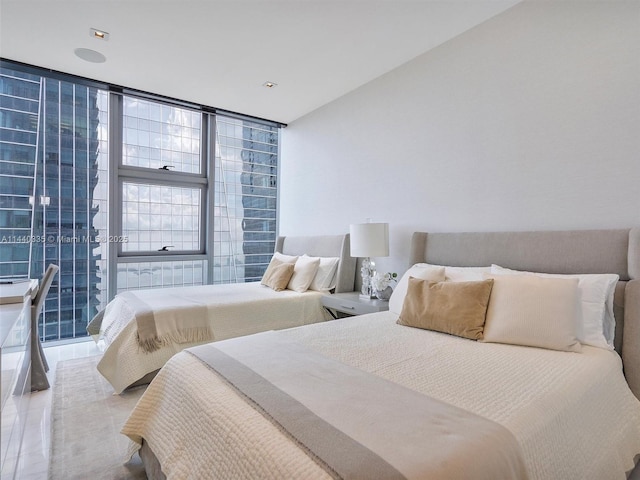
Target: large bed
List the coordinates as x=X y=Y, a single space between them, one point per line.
x=425 y=404
x=219 y=311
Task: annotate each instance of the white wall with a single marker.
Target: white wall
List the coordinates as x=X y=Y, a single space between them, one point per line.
x=528 y=121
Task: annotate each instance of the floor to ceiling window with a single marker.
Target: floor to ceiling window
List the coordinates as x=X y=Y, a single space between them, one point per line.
x=162 y=187
x=245 y=199
x=51 y=148
x=124 y=191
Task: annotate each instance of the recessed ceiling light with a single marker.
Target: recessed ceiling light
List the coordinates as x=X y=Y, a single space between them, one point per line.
x=269 y=84
x=90 y=55
x=99 y=34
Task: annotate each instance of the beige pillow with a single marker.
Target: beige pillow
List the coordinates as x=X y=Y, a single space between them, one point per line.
x=277 y=275
x=457 y=308
x=304 y=271
x=534 y=311
x=597 y=324
x=285 y=258
x=422 y=271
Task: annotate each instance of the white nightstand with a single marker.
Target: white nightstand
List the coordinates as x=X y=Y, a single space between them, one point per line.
x=350 y=303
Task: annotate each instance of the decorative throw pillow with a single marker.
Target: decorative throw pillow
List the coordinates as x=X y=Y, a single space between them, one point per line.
x=277 y=275
x=325 y=278
x=597 y=323
x=534 y=311
x=457 y=308
x=285 y=258
x=303 y=273
x=421 y=271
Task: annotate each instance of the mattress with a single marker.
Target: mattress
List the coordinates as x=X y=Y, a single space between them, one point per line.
x=232 y=310
x=572 y=414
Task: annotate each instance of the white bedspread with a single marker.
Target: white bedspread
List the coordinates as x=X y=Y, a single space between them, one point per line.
x=572 y=413
x=233 y=310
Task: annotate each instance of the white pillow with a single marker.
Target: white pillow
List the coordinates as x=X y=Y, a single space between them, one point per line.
x=325 y=278
x=463 y=274
x=533 y=311
x=597 y=323
x=421 y=271
x=303 y=272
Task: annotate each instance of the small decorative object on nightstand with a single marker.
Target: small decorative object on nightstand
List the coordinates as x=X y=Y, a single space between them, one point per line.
x=352 y=303
x=381 y=284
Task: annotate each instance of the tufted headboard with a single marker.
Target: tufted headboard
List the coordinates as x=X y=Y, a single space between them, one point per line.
x=568 y=252
x=324 y=246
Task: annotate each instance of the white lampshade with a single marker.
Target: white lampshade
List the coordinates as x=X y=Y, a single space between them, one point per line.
x=369 y=239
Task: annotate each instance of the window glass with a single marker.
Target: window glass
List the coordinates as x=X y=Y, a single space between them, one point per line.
x=155 y=136
x=54 y=178
x=245 y=200
x=134 y=276
x=160 y=216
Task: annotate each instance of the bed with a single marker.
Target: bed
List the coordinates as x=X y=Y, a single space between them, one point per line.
x=209 y=313
x=525 y=412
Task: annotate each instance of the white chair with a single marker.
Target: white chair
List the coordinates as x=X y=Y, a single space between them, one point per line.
x=39 y=365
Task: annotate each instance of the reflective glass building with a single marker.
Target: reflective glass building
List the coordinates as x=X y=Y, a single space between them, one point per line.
x=49 y=144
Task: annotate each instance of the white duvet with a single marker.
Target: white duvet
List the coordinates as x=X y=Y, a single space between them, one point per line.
x=572 y=413
x=233 y=310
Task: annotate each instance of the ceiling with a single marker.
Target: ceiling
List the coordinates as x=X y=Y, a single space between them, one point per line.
x=220 y=52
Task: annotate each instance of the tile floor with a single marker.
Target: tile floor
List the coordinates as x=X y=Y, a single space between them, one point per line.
x=33 y=461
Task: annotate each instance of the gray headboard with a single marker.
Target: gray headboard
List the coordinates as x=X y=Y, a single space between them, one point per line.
x=324 y=246
x=574 y=251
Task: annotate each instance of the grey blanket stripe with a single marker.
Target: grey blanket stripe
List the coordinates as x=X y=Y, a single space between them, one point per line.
x=340 y=455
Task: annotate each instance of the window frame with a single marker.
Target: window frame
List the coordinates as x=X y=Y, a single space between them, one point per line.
x=121 y=173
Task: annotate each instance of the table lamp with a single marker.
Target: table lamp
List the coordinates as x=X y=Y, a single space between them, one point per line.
x=369 y=240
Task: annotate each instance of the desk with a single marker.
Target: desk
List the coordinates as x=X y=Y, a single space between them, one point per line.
x=15 y=369
x=13 y=293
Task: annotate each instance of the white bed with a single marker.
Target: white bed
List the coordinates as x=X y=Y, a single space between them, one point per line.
x=573 y=415
x=230 y=310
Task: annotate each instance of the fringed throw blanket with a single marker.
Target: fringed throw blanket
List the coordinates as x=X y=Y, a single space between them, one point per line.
x=357 y=425
x=169 y=319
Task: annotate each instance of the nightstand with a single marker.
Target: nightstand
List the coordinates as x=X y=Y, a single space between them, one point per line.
x=350 y=303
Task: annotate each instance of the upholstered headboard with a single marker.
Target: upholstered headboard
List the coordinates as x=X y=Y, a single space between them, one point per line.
x=575 y=251
x=324 y=246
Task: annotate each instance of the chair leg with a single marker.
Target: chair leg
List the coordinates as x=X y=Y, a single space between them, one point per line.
x=39 y=366
x=42 y=355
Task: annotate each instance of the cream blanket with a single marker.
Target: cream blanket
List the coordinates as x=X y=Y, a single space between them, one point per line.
x=162 y=320
x=572 y=414
x=231 y=310
x=358 y=425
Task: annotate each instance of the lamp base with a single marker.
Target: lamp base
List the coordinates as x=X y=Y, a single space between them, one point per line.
x=367 y=271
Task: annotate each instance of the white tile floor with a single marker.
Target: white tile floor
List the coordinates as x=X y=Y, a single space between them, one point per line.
x=33 y=462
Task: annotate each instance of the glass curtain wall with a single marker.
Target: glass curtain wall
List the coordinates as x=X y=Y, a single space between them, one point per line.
x=19 y=120
x=245 y=202
x=97 y=182
x=53 y=168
